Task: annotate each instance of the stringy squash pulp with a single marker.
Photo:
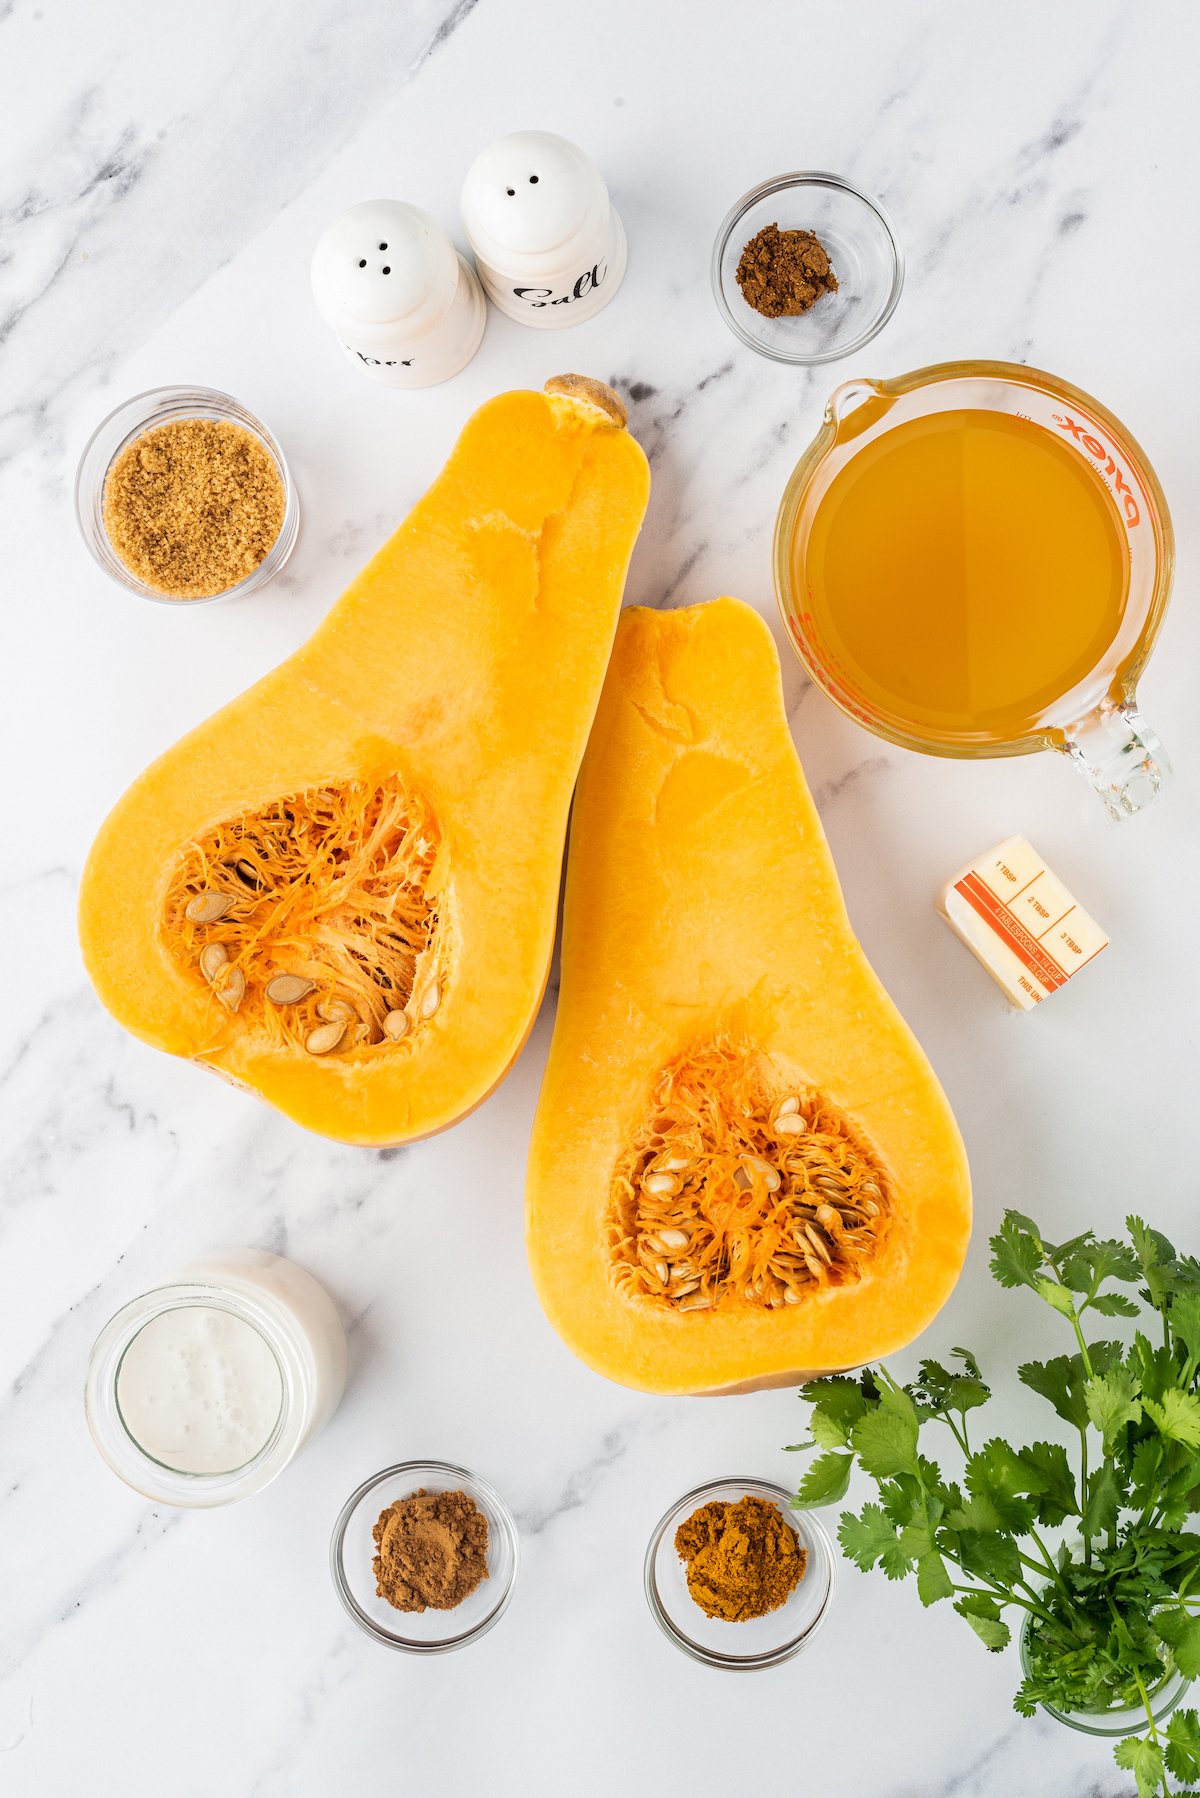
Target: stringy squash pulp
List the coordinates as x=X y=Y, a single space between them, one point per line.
x=341 y=890
x=743 y=1171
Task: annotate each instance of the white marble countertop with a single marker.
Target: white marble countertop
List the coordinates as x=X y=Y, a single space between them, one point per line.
x=164 y=175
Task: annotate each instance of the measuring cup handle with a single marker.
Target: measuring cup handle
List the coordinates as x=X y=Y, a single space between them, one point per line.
x=1121 y=757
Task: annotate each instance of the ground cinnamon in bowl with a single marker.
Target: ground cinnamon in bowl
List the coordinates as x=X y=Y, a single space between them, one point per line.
x=743 y=1559
x=783 y=274
x=432 y=1550
x=193 y=506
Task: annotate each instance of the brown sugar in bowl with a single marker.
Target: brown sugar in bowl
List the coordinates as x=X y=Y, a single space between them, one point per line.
x=184 y=496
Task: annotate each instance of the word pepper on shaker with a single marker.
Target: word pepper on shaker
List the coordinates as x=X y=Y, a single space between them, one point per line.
x=549 y=248
x=406 y=307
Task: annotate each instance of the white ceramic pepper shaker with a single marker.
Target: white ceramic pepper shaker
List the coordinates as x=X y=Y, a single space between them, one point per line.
x=548 y=245
x=405 y=306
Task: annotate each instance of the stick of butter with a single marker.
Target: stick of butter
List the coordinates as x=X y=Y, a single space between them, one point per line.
x=1021 y=922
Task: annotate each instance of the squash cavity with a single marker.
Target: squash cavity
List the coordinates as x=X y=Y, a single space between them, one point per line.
x=743 y=1187
x=316 y=918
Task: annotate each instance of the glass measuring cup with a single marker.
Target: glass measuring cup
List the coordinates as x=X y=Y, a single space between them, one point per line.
x=1095 y=719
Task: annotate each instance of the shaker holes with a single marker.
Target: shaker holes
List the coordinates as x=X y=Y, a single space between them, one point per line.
x=510 y=191
x=533 y=180
x=363 y=263
x=383 y=246
x=386 y=269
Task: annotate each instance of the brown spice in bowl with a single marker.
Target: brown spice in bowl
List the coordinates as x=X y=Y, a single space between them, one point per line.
x=783 y=274
x=743 y=1559
x=432 y=1550
x=193 y=506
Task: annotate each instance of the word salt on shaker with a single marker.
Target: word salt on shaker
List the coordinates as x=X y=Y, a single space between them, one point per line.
x=405 y=306
x=549 y=248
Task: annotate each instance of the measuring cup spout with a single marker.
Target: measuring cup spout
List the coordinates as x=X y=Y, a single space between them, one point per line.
x=1121 y=757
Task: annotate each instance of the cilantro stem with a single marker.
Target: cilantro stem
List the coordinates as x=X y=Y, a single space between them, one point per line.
x=1152 y=1729
x=1051 y=1564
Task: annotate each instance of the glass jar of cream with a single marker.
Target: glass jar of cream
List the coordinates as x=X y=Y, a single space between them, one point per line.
x=202 y=1390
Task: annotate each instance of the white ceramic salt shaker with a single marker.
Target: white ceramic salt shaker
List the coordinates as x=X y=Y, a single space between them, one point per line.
x=549 y=248
x=405 y=306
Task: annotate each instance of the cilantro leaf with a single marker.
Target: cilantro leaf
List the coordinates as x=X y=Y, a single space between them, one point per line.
x=885 y=1443
x=983 y=1614
x=1155 y=1257
x=1017 y=1251
x=933 y=1579
x=1184 y=1317
x=1055 y=1294
x=1177 y=1417
x=1145 y=1761
x=827 y=1431
x=1050 y=1481
x=1112 y=1402
x=1086 y=1267
x=1114 y=1304
x=1103 y=1501
x=825 y=1481
x=836 y=1397
x=1181 y=1633
x=940 y=1389
x=985 y=1554
x=996 y=1479
x=1144 y=1466
x=871 y=1539
x=1183 y=1745
x=1061 y=1382
x=1156 y=1368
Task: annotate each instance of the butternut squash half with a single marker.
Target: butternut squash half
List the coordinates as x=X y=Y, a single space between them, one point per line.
x=743 y=1171
x=341 y=891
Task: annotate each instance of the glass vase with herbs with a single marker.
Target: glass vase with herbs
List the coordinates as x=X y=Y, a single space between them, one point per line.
x=1088 y=1551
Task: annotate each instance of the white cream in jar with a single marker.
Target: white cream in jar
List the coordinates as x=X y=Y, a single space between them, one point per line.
x=199 y=1390
x=203 y=1389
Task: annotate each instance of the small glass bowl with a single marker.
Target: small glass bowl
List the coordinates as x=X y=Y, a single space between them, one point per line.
x=352 y=1552
x=131 y=420
x=863 y=251
x=760 y=1641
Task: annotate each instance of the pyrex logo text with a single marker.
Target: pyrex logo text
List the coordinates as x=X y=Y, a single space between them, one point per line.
x=1095 y=448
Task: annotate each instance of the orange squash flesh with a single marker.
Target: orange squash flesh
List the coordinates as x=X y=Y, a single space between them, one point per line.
x=702 y=906
x=466 y=661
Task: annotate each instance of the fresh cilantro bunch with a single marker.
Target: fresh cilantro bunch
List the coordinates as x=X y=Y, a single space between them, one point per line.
x=1088 y=1550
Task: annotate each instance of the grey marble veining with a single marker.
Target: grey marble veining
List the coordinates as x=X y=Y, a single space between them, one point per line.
x=163 y=177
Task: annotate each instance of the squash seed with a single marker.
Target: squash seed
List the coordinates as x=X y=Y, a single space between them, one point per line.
x=790 y=1123
x=742 y=1179
x=755 y=1164
x=335 y=1011
x=213 y=957
x=661 y=1272
x=206 y=908
x=787 y=1107
x=232 y=989
x=431 y=1000
x=247 y=873
x=324 y=1038
x=673 y=1239
x=396 y=1025
x=698 y=1301
x=288 y=989
x=660 y=1183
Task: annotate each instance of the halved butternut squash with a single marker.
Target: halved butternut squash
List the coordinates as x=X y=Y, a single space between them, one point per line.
x=341 y=891
x=743 y=1171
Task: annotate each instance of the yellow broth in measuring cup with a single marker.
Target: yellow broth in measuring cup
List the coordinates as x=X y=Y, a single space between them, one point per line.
x=974 y=560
